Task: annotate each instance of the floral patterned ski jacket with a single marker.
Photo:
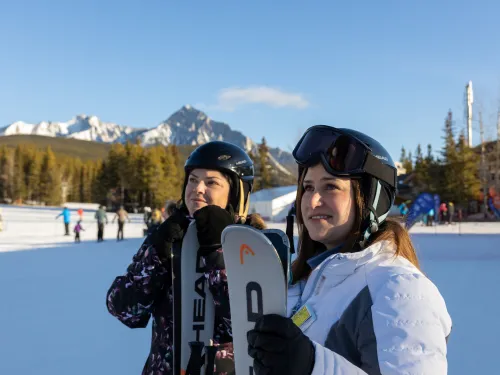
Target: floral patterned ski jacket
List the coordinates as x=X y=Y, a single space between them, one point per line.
x=145 y=291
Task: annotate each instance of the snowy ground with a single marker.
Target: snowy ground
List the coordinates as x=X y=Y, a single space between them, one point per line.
x=53 y=318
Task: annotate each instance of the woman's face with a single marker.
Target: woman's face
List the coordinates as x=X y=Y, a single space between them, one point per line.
x=328 y=207
x=206 y=187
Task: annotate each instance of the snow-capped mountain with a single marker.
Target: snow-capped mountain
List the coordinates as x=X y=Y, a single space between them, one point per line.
x=87 y=128
x=187 y=126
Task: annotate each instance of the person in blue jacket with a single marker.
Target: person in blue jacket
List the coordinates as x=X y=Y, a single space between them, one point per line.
x=358 y=302
x=66 y=214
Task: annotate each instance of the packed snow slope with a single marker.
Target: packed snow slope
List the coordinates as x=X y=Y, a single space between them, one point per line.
x=54 y=320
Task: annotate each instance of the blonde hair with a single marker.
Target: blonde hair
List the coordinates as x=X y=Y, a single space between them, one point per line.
x=390 y=230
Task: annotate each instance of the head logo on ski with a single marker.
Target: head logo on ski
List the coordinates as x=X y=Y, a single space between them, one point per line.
x=245 y=250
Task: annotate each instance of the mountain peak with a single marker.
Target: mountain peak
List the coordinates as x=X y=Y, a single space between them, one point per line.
x=187 y=126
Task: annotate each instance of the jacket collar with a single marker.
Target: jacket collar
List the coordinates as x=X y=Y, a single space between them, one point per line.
x=347 y=263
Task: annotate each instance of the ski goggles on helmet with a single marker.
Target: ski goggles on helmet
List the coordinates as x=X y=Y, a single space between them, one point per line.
x=341 y=153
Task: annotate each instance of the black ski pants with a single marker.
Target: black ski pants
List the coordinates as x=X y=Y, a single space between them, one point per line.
x=100 y=232
x=119 y=236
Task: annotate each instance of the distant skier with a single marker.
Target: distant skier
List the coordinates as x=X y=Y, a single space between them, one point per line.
x=80 y=213
x=430 y=217
x=155 y=220
x=78 y=228
x=208 y=198
x=403 y=209
x=156 y=217
x=147 y=219
x=451 y=212
x=66 y=214
x=122 y=215
x=101 y=218
x=443 y=212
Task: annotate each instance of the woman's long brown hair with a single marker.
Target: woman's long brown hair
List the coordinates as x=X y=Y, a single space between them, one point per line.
x=390 y=230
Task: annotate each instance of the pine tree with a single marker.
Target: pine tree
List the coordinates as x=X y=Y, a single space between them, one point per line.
x=408 y=164
x=265 y=176
x=421 y=170
x=18 y=185
x=171 y=174
x=429 y=157
x=101 y=184
x=469 y=184
x=5 y=174
x=180 y=171
x=402 y=158
x=256 y=181
x=50 y=179
x=91 y=172
x=82 y=182
x=450 y=161
x=155 y=177
x=32 y=174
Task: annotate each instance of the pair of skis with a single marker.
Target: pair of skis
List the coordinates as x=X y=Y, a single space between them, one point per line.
x=257 y=267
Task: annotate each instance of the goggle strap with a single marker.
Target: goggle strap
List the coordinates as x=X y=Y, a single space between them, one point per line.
x=380 y=170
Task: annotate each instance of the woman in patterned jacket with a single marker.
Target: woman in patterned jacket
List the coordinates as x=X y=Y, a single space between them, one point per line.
x=217 y=186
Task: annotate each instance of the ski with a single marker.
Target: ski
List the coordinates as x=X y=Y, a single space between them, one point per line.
x=257 y=281
x=176 y=310
x=194 y=309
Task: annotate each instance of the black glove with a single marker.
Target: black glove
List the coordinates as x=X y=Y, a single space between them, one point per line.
x=278 y=347
x=170 y=231
x=210 y=222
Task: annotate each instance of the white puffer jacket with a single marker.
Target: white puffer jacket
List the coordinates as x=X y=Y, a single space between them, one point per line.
x=372 y=313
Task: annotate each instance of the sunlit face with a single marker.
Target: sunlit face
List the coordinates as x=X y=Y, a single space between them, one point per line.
x=206 y=187
x=328 y=207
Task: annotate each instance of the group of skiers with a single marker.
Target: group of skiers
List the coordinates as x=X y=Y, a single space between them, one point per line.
x=101 y=218
x=368 y=307
x=445 y=215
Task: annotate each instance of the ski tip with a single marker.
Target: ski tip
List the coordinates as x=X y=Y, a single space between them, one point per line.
x=236 y=228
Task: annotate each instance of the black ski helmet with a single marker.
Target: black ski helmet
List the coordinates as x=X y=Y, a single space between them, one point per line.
x=231 y=160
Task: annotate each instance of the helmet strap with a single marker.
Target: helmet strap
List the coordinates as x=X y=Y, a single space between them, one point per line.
x=243 y=206
x=372 y=221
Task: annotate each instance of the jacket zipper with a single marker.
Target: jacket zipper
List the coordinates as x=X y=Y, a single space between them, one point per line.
x=299 y=303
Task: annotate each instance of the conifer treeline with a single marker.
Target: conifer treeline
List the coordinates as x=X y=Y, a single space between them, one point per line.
x=131 y=174
x=454 y=175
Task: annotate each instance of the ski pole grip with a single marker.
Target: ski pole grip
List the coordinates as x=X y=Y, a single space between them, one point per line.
x=210 y=352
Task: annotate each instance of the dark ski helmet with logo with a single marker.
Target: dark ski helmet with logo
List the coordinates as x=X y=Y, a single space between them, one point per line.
x=230 y=160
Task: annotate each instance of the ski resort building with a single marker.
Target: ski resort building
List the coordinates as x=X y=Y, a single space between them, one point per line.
x=273 y=204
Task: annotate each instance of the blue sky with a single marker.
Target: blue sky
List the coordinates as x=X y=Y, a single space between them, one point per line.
x=391 y=69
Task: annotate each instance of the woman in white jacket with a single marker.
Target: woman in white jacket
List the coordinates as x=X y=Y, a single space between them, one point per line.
x=358 y=302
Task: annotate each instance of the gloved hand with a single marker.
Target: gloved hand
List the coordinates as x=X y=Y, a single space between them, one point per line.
x=170 y=231
x=278 y=347
x=210 y=222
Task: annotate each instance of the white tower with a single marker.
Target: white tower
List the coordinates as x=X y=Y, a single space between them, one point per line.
x=469 y=99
